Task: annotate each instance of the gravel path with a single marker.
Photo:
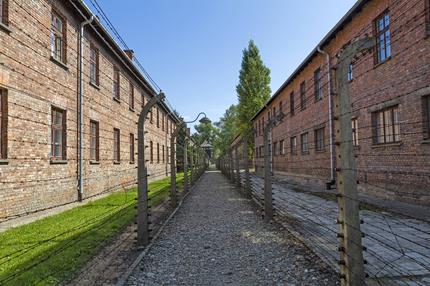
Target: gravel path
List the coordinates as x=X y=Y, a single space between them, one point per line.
x=216 y=238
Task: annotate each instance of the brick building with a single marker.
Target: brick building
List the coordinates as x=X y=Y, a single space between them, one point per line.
x=40 y=108
x=390 y=95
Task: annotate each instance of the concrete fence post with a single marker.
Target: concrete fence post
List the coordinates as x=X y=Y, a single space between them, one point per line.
x=268 y=198
x=237 y=165
x=247 y=185
x=185 y=162
x=143 y=213
x=350 y=236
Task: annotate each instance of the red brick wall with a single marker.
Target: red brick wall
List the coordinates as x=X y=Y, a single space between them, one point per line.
x=34 y=83
x=395 y=171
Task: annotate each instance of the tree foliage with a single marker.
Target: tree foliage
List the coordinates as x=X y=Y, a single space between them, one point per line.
x=253 y=89
x=227 y=130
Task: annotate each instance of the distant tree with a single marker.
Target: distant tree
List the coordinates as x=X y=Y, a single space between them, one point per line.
x=253 y=89
x=228 y=130
x=205 y=132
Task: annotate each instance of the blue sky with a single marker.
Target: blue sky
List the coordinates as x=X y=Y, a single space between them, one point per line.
x=193 y=48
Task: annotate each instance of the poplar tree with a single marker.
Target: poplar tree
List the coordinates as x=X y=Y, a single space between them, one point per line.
x=253 y=89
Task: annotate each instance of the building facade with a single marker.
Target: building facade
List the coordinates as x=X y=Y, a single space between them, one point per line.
x=390 y=95
x=41 y=109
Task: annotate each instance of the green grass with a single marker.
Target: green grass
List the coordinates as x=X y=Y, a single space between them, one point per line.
x=53 y=249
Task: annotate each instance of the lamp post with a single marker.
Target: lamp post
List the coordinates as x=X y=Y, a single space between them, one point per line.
x=173 y=138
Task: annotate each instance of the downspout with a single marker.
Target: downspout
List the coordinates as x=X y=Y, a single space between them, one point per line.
x=330 y=112
x=81 y=109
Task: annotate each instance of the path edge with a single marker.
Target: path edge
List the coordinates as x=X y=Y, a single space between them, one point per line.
x=123 y=279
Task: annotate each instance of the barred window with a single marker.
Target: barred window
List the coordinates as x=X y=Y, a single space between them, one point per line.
x=58 y=134
x=303 y=95
x=4 y=8
x=293 y=145
x=151 y=152
x=164 y=155
x=58 y=37
x=3 y=124
x=426 y=123
x=131 y=96
x=319 y=139
x=354 y=123
x=275 y=149
x=281 y=147
x=94 y=141
x=383 y=38
x=317 y=84
x=158 y=152
x=131 y=148
x=94 y=65
x=350 y=73
x=304 y=143
x=292 y=103
x=116 y=145
x=116 y=83
x=386 y=127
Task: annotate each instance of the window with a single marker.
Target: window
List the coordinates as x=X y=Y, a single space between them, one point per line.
x=116 y=145
x=58 y=37
x=58 y=134
x=168 y=155
x=304 y=142
x=275 y=149
x=292 y=103
x=142 y=96
x=386 y=128
x=151 y=152
x=426 y=109
x=293 y=145
x=319 y=139
x=383 y=38
x=94 y=141
x=162 y=121
x=303 y=95
x=350 y=73
x=3 y=124
x=94 y=65
x=280 y=107
x=4 y=12
x=131 y=148
x=116 y=83
x=158 y=118
x=281 y=147
x=354 y=123
x=158 y=152
x=164 y=155
x=317 y=84
x=131 y=97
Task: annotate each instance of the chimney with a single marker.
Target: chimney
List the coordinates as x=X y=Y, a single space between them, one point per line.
x=129 y=53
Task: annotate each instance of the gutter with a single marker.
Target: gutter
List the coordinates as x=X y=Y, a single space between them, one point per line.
x=81 y=109
x=330 y=116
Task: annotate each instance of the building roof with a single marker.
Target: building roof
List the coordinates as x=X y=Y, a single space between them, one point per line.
x=86 y=13
x=325 y=41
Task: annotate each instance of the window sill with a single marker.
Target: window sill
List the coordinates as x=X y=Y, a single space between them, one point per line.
x=59 y=63
x=426 y=142
x=305 y=153
x=386 y=145
x=116 y=162
x=387 y=60
x=93 y=162
x=131 y=109
x=320 y=151
x=96 y=86
x=5 y=28
x=116 y=99
x=132 y=163
x=58 y=162
x=4 y=161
